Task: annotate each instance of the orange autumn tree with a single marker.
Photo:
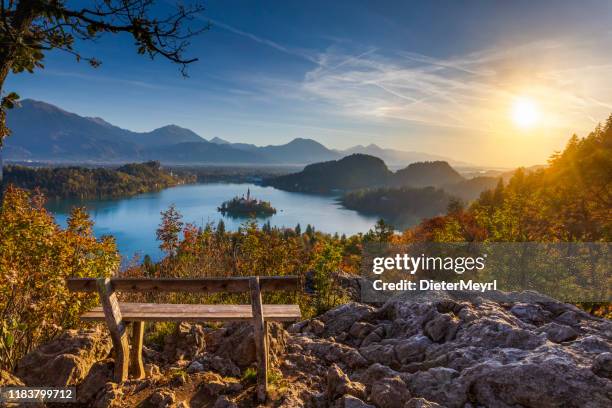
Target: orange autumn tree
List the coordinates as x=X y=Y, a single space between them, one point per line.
x=36 y=255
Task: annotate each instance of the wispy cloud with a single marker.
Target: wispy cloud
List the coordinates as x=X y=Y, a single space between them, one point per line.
x=472 y=91
x=300 y=53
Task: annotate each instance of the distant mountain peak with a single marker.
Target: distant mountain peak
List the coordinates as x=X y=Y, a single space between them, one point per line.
x=218 y=140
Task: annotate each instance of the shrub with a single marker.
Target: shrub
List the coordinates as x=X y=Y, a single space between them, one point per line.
x=36 y=256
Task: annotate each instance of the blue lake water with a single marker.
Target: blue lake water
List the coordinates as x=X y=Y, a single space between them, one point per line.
x=133 y=221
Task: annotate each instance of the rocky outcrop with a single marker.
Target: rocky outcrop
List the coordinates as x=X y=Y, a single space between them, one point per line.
x=429 y=350
x=235 y=342
x=186 y=342
x=437 y=349
x=66 y=360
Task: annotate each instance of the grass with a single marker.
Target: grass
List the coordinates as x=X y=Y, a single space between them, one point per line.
x=249 y=376
x=158 y=331
x=275 y=377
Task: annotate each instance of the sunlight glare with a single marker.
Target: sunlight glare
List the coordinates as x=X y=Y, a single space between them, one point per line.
x=525 y=112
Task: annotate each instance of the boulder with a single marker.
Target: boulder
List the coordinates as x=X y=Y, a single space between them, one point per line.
x=558 y=333
x=95 y=381
x=421 y=403
x=340 y=319
x=389 y=393
x=185 y=343
x=412 y=349
x=349 y=401
x=224 y=402
x=544 y=380
x=602 y=366
x=110 y=397
x=235 y=342
x=163 y=398
x=441 y=328
x=339 y=384
x=66 y=360
x=195 y=367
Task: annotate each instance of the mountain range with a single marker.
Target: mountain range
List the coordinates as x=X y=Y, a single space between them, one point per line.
x=44 y=132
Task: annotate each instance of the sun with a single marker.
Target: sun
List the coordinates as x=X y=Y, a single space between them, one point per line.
x=525 y=112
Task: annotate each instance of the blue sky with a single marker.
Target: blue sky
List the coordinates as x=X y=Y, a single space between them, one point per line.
x=441 y=77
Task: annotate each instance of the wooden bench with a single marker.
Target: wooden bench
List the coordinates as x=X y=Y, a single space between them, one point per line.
x=119 y=315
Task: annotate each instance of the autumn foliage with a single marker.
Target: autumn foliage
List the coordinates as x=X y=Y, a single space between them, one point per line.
x=36 y=255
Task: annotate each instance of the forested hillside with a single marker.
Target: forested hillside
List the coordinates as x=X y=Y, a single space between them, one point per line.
x=570 y=200
x=82 y=182
x=401 y=206
x=349 y=173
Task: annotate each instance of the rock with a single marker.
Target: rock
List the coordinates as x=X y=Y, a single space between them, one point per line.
x=545 y=380
x=373 y=337
x=389 y=393
x=530 y=313
x=332 y=352
x=441 y=328
x=439 y=384
x=456 y=350
x=593 y=344
x=223 y=366
x=360 y=330
x=339 y=384
x=602 y=366
x=340 y=319
x=235 y=342
x=558 y=333
x=349 y=401
x=66 y=360
x=379 y=353
x=568 y=317
x=7 y=379
x=162 y=398
x=186 y=343
x=95 y=381
x=421 y=403
x=224 y=402
x=298 y=327
x=213 y=384
x=110 y=397
x=152 y=370
x=195 y=367
x=317 y=327
x=412 y=349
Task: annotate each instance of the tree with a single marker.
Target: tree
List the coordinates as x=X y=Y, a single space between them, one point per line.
x=169 y=230
x=30 y=28
x=382 y=232
x=36 y=256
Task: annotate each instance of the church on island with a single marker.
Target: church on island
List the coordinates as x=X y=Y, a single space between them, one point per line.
x=246 y=206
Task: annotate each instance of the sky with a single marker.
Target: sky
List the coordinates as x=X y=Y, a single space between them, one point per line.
x=494 y=83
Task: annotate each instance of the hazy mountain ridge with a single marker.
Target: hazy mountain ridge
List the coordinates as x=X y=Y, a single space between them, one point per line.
x=44 y=132
x=398 y=157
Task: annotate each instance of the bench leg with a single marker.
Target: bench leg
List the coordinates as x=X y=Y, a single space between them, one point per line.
x=260 y=334
x=116 y=327
x=136 y=365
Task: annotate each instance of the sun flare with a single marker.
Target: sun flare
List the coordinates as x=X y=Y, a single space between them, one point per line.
x=525 y=113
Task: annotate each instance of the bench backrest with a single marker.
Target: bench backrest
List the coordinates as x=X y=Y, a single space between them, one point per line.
x=193 y=285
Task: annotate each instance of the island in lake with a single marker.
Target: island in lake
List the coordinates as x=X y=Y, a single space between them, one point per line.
x=238 y=206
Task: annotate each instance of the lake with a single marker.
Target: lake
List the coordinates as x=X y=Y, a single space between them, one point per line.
x=133 y=220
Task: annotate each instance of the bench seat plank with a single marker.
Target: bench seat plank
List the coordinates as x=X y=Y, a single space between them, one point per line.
x=156 y=312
